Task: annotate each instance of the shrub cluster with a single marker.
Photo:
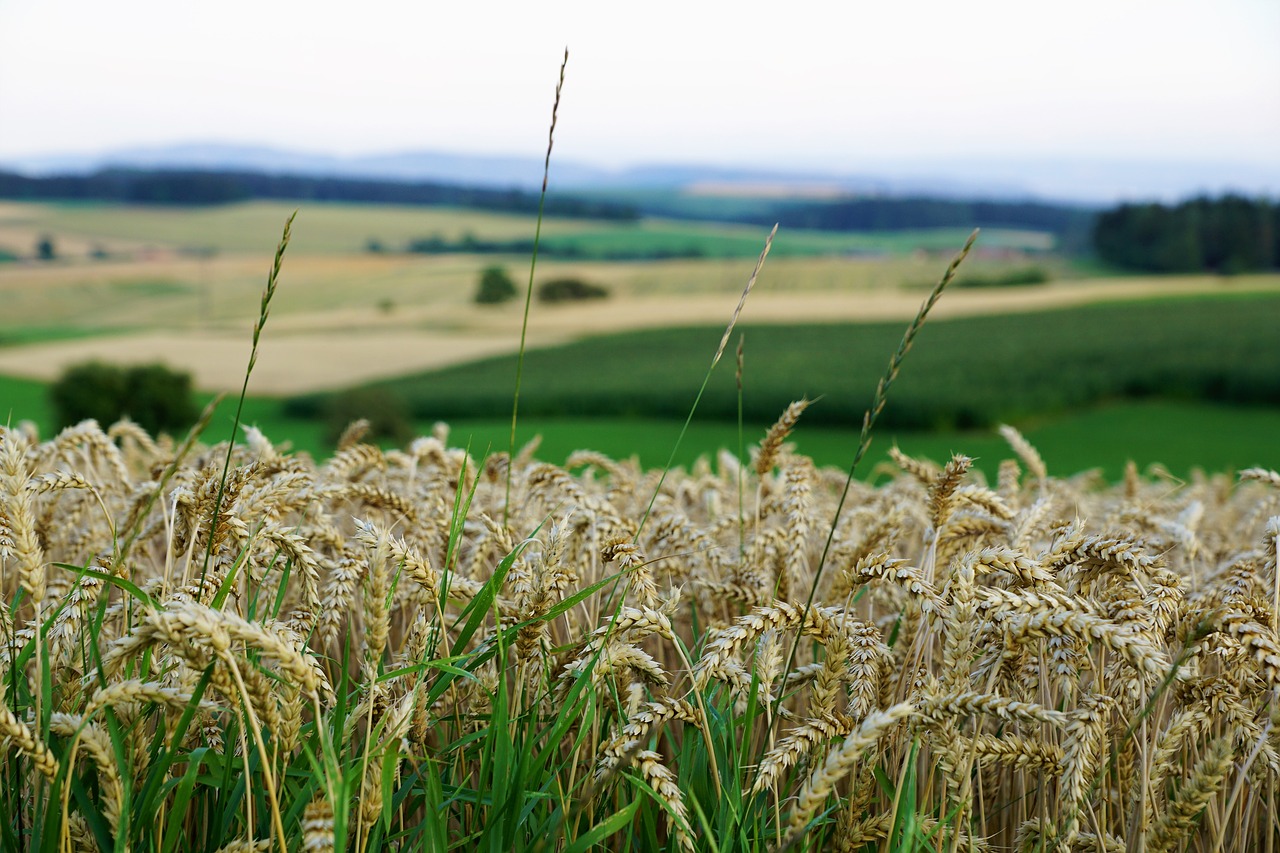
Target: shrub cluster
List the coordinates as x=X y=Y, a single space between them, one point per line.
x=570 y=290
x=153 y=396
x=567 y=248
x=383 y=412
x=1009 y=278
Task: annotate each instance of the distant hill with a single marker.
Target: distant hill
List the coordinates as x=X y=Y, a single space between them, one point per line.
x=478 y=170
x=826 y=212
x=1087 y=181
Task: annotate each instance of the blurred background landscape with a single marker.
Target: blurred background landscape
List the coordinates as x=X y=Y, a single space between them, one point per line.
x=1122 y=303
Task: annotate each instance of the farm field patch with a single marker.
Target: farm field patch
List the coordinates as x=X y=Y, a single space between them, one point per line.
x=1180 y=437
x=344 y=315
x=969 y=371
x=337 y=228
x=351 y=319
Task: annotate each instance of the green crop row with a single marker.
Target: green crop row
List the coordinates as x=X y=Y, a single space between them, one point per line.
x=969 y=372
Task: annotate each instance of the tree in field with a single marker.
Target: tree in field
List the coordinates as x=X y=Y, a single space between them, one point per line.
x=495 y=287
x=45 y=249
x=570 y=290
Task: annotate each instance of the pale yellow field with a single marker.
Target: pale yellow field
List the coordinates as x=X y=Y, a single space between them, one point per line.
x=335 y=346
x=342 y=318
x=247 y=227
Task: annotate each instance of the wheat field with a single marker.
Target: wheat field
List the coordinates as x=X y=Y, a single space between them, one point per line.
x=350 y=316
x=416 y=649
x=231 y=647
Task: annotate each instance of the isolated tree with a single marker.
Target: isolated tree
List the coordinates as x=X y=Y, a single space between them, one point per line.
x=45 y=250
x=495 y=287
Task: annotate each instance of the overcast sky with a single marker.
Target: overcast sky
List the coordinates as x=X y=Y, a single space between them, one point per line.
x=832 y=85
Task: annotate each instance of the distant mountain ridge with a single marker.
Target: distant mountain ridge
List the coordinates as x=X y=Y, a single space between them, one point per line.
x=1078 y=181
x=480 y=170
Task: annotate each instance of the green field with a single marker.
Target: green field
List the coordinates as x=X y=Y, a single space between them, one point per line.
x=1068 y=377
x=1182 y=436
x=657 y=239
x=25 y=400
x=965 y=373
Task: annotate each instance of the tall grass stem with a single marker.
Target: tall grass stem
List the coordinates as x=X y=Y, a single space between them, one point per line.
x=724 y=341
x=868 y=423
x=528 y=293
x=264 y=309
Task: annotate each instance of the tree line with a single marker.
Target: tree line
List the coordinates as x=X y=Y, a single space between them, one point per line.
x=563 y=249
x=894 y=214
x=1070 y=224
x=197 y=187
x=1225 y=235
x=211 y=187
x=1232 y=234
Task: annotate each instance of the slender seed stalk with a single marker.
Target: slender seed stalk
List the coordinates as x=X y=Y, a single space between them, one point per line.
x=264 y=309
x=528 y=292
x=724 y=341
x=868 y=422
x=882 y=396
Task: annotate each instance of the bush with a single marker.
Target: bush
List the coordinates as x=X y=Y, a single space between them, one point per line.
x=570 y=290
x=495 y=287
x=1008 y=278
x=384 y=410
x=157 y=398
x=45 y=249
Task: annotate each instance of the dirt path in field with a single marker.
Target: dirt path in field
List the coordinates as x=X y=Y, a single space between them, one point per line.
x=332 y=349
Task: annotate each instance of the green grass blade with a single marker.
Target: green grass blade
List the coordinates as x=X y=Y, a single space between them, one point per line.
x=608 y=827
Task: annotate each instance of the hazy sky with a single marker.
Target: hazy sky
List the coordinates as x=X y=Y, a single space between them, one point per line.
x=802 y=84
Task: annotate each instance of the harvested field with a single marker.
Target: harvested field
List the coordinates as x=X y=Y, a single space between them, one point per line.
x=290 y=363
x=322 y=341
x=337 y=228
x=238 y=228
x=348 y=316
